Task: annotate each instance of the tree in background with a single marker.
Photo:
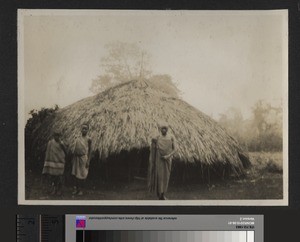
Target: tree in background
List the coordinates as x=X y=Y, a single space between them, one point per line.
x=165 y=84
x=262 y=132
x=233 y=121
x=126 y=62
x=267 y=124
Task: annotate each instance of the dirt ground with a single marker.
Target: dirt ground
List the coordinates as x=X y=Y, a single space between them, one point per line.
x=264 y=180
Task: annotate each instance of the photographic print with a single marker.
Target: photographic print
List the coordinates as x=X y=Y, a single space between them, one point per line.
x=140 y=107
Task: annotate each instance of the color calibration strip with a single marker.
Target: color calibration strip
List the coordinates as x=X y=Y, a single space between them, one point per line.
x=164 y=236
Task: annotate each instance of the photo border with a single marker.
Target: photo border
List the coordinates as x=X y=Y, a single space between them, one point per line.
x=21 y=123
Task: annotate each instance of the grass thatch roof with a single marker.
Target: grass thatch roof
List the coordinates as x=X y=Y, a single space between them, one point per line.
x=126 y=117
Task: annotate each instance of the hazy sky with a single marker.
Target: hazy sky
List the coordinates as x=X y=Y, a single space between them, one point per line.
x=220 y=59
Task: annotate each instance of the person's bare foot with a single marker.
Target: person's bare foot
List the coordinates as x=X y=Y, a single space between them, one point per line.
x=53 y=192
x=75 y=191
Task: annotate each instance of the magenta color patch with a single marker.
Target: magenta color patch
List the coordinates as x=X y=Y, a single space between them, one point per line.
x=80 y=223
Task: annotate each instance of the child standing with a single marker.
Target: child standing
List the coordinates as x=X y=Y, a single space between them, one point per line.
x=55 y=163
x=81 y=158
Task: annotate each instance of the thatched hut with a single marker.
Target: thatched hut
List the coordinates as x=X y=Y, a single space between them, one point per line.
x=123 y=119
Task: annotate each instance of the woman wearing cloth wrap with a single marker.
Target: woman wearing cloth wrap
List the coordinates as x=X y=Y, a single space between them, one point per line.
x=160 y=162
x=81 y=150
x=54 y=165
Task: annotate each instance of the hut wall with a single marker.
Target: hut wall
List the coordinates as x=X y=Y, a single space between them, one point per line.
x=129 y=166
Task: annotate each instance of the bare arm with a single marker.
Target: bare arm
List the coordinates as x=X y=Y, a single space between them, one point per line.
x=89 y=152
x=174 y=147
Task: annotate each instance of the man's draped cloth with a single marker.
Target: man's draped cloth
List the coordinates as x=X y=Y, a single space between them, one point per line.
x=159 y=169
x=54 y=159
x=80 y=151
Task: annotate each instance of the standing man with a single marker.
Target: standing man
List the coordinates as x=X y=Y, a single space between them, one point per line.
x=160 y=162
x=81 y=154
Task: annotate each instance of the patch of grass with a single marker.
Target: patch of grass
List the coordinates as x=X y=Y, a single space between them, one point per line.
x=267 y=161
